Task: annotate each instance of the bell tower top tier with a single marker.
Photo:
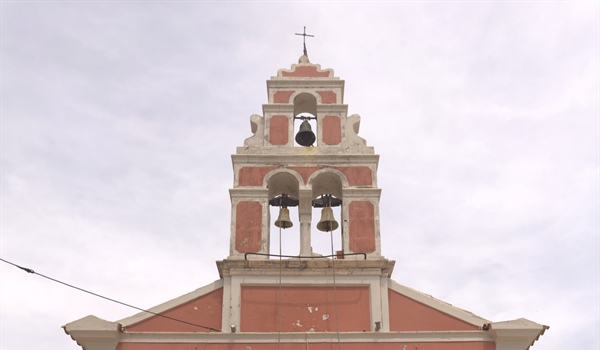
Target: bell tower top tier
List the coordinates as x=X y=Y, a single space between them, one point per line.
x=305 y=91
x=305 y=151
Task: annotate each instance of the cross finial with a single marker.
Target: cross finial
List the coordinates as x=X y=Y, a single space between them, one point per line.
x=304 y=35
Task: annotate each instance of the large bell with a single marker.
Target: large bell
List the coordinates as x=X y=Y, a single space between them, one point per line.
x=305 y=136
x=283 y=221
x=327 y=222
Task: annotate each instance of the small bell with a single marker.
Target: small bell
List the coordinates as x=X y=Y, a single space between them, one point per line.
x=305 y=136
x=327 y=222
x=283 y=221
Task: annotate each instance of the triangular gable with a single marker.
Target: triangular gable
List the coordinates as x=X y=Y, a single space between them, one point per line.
x=200 y=307
x=411 y=310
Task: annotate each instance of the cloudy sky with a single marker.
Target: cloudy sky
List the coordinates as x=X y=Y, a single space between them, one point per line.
x=119 y=119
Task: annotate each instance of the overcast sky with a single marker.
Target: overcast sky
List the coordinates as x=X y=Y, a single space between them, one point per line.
x=119 y=119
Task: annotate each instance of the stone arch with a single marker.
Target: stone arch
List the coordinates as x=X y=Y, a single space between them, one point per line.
x=305 y=102
x=283 y=180
x=328 y=181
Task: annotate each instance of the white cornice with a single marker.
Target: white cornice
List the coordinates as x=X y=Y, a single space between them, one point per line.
x=520 y=333
x=361 y=193
x=248 y=193
x=299 y=158
x=272 y=108
x=325 y=83
x=320 y=337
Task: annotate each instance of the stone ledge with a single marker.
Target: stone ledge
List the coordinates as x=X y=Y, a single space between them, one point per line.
x=309 y=267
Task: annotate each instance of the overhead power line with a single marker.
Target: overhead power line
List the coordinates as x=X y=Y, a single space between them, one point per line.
x=28 y=270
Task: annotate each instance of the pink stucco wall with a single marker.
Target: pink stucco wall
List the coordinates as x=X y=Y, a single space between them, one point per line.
x=282 y=96
x=362 y=226
x=205 y=311
x=409 y=315
x=332 y=130
x=327 y=97
x=303 y=309
x=306 y=71
x=248 y=227
x=278 y=130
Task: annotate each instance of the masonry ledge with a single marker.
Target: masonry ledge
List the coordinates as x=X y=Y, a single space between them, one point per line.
x=322 y=266
x=310 y=337
x=297 y=156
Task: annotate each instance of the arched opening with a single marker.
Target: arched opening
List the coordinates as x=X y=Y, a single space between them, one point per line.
x=283 y=192
x=327 y=192
x=322 y=240
x=305 y=103
x=290 y=237
x=305 y=111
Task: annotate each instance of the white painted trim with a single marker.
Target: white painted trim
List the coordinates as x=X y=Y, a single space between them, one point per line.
x=333 y=83
x=303 y=337
x=128 y=321
x=438 y=304
x=372 y=282
x=285 y=170
x=385 y=305
x=225 y=311
x=363 y=193
x=245 y=193
x=297 y=157
x=328 y=169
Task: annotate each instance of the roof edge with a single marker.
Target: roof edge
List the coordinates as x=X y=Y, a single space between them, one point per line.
x=141 y=316
x=439 y=305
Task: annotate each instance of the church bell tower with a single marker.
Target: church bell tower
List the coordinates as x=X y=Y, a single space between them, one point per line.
x=305 y=152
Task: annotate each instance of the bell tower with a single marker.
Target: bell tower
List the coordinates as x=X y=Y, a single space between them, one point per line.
x=305 y=151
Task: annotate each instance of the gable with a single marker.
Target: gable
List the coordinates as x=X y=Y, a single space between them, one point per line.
x=200 y=307
x=409 y=315
x=411 y=310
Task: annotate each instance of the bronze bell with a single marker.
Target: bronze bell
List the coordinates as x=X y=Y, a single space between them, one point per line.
x=283 y=221
x=305 y=136
x=327 y=222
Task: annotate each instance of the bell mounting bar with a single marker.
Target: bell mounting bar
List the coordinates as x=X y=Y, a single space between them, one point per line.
x=305 y=118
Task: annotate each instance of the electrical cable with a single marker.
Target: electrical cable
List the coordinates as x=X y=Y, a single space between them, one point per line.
x=28 y=270
x=337 y=321
x=279 y=296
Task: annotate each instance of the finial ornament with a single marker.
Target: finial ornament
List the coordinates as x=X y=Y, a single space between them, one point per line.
x=304 y=35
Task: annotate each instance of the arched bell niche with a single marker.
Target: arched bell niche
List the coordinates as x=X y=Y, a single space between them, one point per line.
x=305 y=105
x=283 y=183
x=327 y=191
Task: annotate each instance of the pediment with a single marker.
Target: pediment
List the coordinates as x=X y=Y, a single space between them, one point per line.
x=411 y=310
x=202 y=307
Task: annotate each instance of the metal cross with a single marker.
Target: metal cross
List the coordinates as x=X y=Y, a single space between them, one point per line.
x=304 y=35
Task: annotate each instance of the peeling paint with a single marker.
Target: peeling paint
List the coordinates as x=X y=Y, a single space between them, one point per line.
x=325 y=316
x=297 y=324
x=310 y=309
x=195 y=308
